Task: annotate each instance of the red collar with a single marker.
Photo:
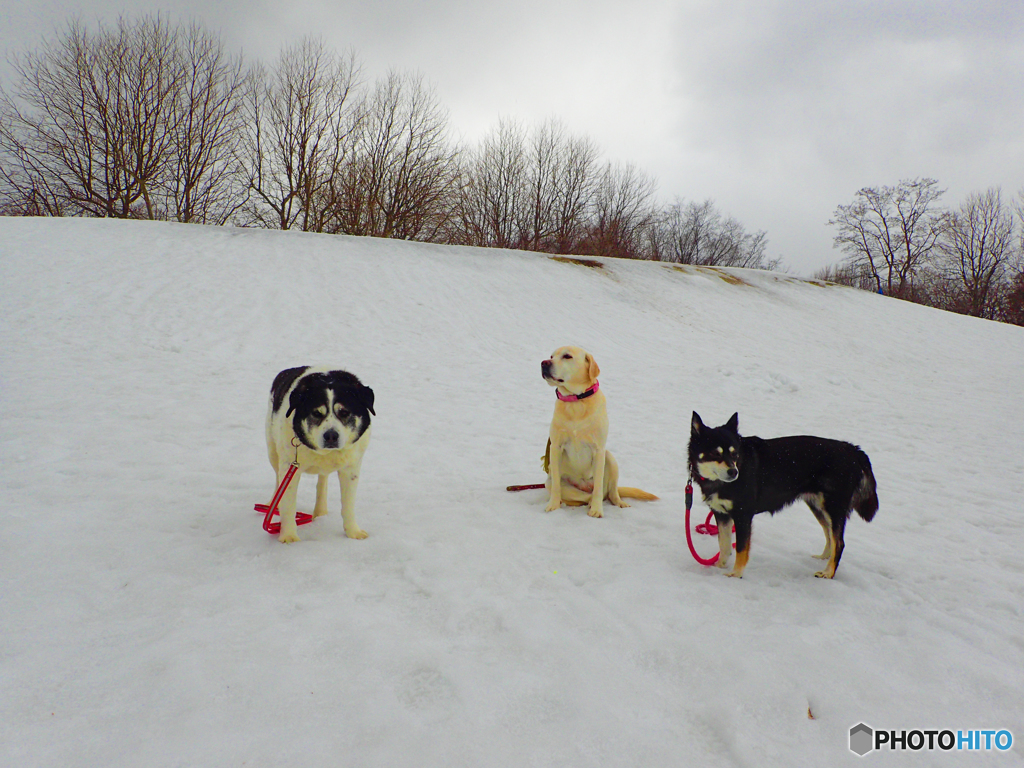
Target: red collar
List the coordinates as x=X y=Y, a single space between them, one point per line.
x=574 y=398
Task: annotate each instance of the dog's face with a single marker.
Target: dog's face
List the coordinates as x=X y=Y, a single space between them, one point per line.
x=331 y=410
x=570 y=367
x=715 y=452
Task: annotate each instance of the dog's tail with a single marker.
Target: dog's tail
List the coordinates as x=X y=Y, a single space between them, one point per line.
x=636 y=493
x=865 y=498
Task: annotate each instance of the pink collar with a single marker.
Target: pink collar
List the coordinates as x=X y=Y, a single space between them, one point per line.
x=574 y=398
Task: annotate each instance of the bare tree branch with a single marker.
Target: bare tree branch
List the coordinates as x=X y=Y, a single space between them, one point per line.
x=890 y=231
x=403 y=178
x=301 y=119
x=977 y=244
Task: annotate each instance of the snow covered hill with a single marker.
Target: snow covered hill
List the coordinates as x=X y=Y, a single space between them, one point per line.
x=149 y=621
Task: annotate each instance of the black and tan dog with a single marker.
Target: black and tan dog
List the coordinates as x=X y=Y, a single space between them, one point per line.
x=740 y=477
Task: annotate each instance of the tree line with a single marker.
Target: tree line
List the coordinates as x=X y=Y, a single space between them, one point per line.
x=901 y=242
x=149 y=120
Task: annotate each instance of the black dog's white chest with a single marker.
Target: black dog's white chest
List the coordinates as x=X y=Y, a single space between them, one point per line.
x=717 y=503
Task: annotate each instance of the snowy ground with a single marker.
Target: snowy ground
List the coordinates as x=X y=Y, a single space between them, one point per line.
x=149 y=621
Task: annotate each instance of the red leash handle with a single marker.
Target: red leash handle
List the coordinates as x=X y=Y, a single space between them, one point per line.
x=689 y=538
x=301 y=518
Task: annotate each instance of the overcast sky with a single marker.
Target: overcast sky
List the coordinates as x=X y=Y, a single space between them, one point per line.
x=778 y=110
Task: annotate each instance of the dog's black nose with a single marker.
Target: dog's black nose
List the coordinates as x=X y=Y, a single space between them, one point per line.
x=330 y=439
x=545 y=365
x=732 y=473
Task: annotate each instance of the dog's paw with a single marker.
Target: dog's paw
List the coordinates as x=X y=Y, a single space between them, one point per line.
x=824 y=575
x=289 y=537
x=822 y=556
x=319 y=512
x=735 y=575
x=595 y=512
x=622 y=504
x=722 y=562
x=356 y=533
x=552 y=506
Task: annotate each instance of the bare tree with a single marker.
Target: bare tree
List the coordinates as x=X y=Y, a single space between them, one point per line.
x=621 y=212
x=492 y=198
x=403 y=177
x=1018 y=211
x=536 y=223
x=977 y=246
x=560 y=179
x=1011 y=308
x=301 y=120
x=531 y=191
x=135 y=121
x=92 y=133
x=576 y=182
x=698 y=233
x=891 y=231
x=142 y=67
x=203 y=176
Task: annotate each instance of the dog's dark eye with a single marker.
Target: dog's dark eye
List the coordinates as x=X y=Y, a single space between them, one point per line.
x=340 y=412
x=567 y=357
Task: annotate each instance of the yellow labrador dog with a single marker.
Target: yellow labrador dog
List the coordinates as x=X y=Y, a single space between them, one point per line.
x=576 y=459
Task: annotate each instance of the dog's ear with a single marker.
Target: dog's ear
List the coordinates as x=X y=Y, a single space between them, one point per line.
x=298 y=395
x=696 y=425
x=592 y=371
x=366 y=395
x=733 y=423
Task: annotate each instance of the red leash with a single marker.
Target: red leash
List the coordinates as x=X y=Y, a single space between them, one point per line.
x=706 y=528
x=301 y=518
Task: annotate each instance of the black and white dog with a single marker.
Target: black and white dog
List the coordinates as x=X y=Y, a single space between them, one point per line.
x=319 y=418
x=742 y=476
